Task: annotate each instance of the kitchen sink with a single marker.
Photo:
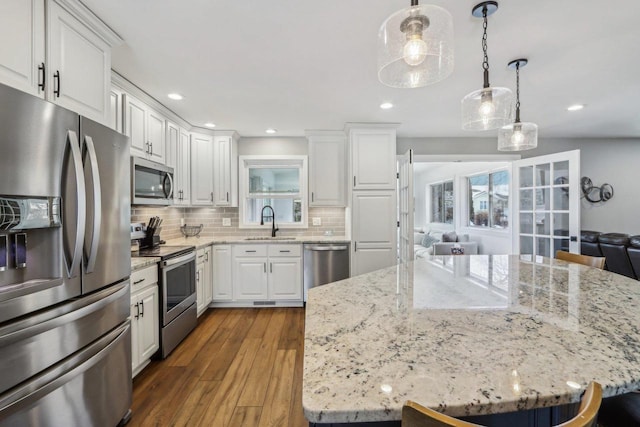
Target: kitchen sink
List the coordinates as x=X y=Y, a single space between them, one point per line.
x=270 y=238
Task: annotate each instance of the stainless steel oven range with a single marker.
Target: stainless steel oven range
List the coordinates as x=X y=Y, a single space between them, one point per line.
x=177 y=281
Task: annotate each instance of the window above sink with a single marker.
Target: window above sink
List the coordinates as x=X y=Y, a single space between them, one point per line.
x=276 y=181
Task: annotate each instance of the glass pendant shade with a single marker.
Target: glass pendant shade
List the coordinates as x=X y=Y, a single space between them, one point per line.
x=415 y=47
x=518 y=137
x=487 y=108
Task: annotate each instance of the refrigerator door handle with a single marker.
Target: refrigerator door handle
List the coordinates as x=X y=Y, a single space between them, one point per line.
x=97 y=204
x=76 y=156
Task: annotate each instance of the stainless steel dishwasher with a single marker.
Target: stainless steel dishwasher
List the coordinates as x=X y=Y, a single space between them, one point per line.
x=325 y=263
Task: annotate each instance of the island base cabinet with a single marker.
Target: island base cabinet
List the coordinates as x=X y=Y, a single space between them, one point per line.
x=145 y=321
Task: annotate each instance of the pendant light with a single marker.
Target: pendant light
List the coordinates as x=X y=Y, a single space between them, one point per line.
x=489 y=107
x=415 y=46
x=518 y=136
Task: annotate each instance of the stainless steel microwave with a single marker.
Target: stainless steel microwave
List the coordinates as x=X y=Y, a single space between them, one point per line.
x=151 y=183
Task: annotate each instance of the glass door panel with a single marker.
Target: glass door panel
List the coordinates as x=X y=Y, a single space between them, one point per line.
x=549 y=204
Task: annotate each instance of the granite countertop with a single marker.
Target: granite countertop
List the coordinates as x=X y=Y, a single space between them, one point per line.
x=138 y=263
x=468 y=335
x=202 y=241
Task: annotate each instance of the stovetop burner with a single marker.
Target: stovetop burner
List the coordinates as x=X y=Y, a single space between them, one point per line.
x=165 y=252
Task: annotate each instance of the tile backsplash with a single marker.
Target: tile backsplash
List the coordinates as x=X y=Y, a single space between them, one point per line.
x=333 y=219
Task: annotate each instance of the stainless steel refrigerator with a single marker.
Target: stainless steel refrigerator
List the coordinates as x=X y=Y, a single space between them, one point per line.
x=65 y=340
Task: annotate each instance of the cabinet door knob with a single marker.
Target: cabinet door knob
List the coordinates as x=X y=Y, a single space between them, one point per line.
x=270 y=267
x=43 y=76
x=312 y=196
x=56 y=84
x=212 y=196
x=227 y=196
x=265 y=267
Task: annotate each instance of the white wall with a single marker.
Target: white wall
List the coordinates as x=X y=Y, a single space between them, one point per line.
x=614 y=161
x=425 y=174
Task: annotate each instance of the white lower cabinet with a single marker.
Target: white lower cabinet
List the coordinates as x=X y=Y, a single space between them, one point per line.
x=145 y=322
x=262 y=275
x=221 y=273
x=204 y=288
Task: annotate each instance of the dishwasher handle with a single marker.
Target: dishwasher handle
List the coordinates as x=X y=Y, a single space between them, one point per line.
x=327 y=248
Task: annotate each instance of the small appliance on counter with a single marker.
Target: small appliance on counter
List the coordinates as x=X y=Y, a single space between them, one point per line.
x=177 y=281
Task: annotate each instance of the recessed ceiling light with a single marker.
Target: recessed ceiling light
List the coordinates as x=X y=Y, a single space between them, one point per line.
x=210 y=125
x=575 y=107
x=386 y=105
x=175 y=96
x=271 y=130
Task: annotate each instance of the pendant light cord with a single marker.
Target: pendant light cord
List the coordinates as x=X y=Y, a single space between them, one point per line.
x=517 y=92
x=485 y=61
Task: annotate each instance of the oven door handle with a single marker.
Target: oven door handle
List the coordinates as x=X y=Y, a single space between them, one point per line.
x=180 y=260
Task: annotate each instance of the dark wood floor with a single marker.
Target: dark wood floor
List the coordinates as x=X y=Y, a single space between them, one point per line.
x=240 y=367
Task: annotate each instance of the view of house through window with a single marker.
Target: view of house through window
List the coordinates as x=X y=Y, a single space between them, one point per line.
x=442 y=202
x=489 y=200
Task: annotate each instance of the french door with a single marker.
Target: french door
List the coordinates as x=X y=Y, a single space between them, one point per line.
x=546 y=215
x=405 y=207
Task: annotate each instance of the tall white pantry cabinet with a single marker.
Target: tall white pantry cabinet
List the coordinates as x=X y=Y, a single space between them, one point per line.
x=373 y=197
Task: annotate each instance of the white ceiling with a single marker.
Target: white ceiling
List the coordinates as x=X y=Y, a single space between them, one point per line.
x=298 y=64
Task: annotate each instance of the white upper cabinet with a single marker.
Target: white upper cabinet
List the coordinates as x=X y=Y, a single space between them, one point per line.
x=183 y=169
x=201 y=170
x=146 y=128
x=76 y=45
x=225 y=170
x=115 y=110
x=327 y=168
x=22 y=61
x=79 y=65
x=171 y=144
x=136 y=125
x=373 y=153
x=177 y=145
x=155 y=136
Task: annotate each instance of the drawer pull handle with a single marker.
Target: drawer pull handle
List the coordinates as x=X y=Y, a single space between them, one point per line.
x=285 y=251
x=137 y=310
x=138 y=281
x=249 y=251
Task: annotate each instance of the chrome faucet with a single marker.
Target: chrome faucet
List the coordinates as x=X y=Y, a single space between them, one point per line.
x=273 y=220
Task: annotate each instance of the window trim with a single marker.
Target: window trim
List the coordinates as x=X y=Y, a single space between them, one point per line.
x=274 y=161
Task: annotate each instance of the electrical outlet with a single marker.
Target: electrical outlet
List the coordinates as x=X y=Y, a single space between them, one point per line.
x=317 y=221
x=226 y=222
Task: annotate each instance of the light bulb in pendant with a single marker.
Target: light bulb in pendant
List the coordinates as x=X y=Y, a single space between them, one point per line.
x=415 y=50
x=517 y=138
x=487 y=108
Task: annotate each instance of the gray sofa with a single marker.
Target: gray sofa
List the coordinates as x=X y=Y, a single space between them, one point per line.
x=434 y=244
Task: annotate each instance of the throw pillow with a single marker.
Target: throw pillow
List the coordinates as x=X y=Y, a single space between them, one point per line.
x=450 y=237
x=417 y=238
x=428 y=240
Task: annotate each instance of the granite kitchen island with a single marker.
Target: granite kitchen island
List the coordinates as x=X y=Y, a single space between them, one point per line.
x=469 y=336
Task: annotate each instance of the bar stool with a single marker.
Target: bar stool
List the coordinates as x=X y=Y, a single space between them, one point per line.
x=416 y=415
x=591 y=261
